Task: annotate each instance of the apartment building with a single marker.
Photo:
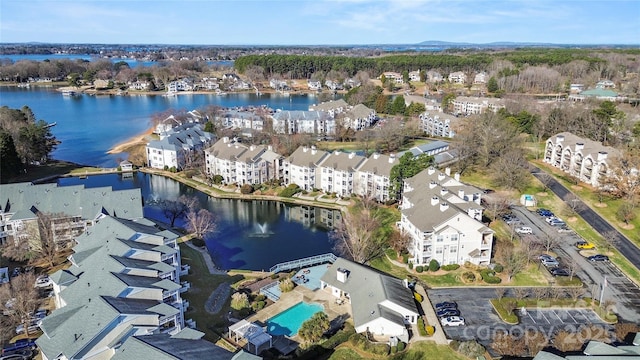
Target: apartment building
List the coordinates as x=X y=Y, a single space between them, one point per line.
x=443 y=218
x=72 y=209
x=373 y=177
x=464 y=105
x=176 y=145
x=303 y=122
x=438 y=124
x=457 y=77
x=582 y=158
x=242 y=164
x=359 y=117
x=333 y=107
x=301 y=167
x=337 y=172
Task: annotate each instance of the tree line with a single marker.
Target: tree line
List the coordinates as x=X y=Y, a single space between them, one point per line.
x=24 y=140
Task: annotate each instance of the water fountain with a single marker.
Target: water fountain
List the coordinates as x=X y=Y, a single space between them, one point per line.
x=262 y=231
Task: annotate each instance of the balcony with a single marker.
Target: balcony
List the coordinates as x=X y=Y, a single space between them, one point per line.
x=185 y=286
x=184 y=270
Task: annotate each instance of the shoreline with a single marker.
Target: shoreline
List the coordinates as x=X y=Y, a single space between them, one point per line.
x=140 y=139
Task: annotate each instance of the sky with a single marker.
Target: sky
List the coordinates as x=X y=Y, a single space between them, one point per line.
x=319 y=22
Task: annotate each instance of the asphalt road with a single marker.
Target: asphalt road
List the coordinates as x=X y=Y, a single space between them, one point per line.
x=624 y=245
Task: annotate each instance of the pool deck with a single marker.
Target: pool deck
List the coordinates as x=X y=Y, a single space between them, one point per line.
x=298 y=294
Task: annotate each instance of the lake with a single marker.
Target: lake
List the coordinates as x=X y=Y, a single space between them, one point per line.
x=88 y=126
x=132 y=62
x=253 y=235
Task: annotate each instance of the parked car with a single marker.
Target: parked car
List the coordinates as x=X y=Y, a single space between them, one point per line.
x=544 y=212
x=557 y=222
x=585 y=245
x=446 y=305
x=43 y=281
x=452 y=321
x=564 y=229
x=524 y=230
x=447 y=312
x=559 y=272
x=22 y=344
x=33 y=327
x=550 y=262
x=598 y=257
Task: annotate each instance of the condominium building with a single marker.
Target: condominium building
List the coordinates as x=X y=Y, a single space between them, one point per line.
x=464 y=105
x=373 y=177
x=242 y=164
x=438 y=124
x=337 y=172
x=176 y=144
x=301 y=167
x=443 y=218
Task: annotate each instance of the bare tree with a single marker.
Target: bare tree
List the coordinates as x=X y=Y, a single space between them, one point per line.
x=546 y=180
x=176 y=209
x=514 y=261
x=539 y=292
x=497 y=205
x=19 y=300
x=355 y=235
x=506 y=344
x=623 y=178
x=201 y=222
x=548 y=242
x=575 y=292
x=500 y=291
x=399 y=240
x=42 y=239
x=535 y=341
x=520 y=292
x=573 y=204
x=573 y=267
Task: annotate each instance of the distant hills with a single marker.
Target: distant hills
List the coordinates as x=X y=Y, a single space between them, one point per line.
x=511 y=44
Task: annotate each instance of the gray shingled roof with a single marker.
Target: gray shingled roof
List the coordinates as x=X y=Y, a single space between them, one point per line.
x=25 y=198
x=343 y=161
x=165 y=346
x=360 y=111
x=365 y=300
x=329 y=105
x=379 y=164
x=304 y=156
x=590 y=147
x=186 y=136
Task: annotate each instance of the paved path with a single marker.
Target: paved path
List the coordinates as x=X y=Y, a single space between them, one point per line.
x=213 y=269
x=438 y=336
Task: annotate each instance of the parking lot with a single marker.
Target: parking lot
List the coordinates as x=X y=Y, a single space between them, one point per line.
x=481 y=321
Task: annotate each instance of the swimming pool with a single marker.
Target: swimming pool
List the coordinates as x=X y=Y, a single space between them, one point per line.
x=289 y=321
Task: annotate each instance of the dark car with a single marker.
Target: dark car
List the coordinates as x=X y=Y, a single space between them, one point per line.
x=544 y=212
x=447 y=312
x=19 y=345
x=559 y=272
x=598 y=257
x=446 y=305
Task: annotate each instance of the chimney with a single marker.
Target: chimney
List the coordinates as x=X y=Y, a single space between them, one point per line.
x=447 y=171
x=444 y=206
x=443 y=191
x=225 y=139
x=342 y=275
x=440 y=176
x=579 y=146
x=432 y=184
x=352 y=155
x=602 y=155
x=559 y=138
x=270 y=148
x=456 y=176
x=431 y=170
x=305 y=149
x=252 y=147
x=376 y=156
x=434 y=200
x=461 y=194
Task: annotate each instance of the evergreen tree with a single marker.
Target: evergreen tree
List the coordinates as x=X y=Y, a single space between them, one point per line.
x=10 y=163
x=492 y=85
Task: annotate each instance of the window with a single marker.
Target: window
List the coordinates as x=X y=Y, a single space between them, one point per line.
x=438 y=250
x=454 y=237
x=440 y=238
x=453 y=250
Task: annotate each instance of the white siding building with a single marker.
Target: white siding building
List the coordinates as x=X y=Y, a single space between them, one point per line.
x=175 y=144
x=301 y=167
x=443 y=217
x=373 y=177
x=337 y=173
x=241 y=164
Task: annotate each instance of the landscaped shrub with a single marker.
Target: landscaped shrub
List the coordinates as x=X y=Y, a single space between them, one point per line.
x=198 y=242
x=394 y=349
x=434 y=265
x=261 y=297
x=498 y=268
x=258 y=305
x=421 y=327
x=469 y=276
x=454 y=344
x=339 y=337
x=312 y=330
x=401 y=346
x=450 y=267
x=290 y=190
x=489 y=277
x=246 y=189
x=274 y=276
x=419 y=268
x=410 y=265
x=430 y=330
x=239 y=301
x=377 y=348
x=471 y=349
x=217 y=179
x=286 y=285
x=405 y=258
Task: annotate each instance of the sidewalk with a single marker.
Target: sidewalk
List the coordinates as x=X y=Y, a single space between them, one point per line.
x=213 y=269
x=430 y=316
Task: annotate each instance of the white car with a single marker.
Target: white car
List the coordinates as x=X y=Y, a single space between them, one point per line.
x=452 y=321
x=524 y=230
x=43 y=281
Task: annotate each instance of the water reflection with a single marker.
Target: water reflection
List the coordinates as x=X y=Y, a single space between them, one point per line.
x=251 y=234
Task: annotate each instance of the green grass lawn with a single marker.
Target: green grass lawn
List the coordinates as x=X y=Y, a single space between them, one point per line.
x=418 y=350
x=202 y=284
